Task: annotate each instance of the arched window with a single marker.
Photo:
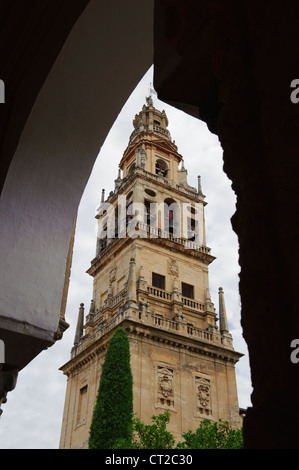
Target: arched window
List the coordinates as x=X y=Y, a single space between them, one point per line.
x=161 y=168
x=131 y=169
x=171 y=215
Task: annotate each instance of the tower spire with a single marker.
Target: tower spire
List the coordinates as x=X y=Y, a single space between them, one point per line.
x=222 y=313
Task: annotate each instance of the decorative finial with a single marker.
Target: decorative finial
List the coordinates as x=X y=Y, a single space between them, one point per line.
x=91 y=309
x=223 y=325
x=80 y=323
x=199 y=190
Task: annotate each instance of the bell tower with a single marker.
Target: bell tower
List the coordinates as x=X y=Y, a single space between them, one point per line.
x=150 y=276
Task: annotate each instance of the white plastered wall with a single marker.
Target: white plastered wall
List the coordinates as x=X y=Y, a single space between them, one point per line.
x=106 y=54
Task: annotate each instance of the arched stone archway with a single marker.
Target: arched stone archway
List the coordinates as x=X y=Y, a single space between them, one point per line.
x=107 y=48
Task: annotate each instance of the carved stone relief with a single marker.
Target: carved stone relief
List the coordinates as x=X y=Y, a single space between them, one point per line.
x=203 y=396
x=165 y=386
x=173 y=267
x=112 y=274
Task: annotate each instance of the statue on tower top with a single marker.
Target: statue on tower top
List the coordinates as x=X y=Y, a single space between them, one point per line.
x=149 y=101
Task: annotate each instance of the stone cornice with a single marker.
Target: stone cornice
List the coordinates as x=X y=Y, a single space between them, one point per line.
x=151 y=333
x=117 y=244
x=159 y=181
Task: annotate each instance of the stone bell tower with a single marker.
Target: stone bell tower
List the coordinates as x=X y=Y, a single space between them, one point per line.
x=150 y=276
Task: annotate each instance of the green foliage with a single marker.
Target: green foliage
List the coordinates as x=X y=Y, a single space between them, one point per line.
x=113 y=412
x=155 y=435
x=213 y=435
x=209 y=435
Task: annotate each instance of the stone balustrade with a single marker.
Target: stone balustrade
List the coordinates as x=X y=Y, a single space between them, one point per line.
x=180 y=327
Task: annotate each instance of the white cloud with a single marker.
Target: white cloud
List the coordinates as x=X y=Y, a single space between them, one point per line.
x=32 y=416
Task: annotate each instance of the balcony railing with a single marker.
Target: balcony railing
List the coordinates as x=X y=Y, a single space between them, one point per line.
x=165 y=323
x=162 y=294
x=155 y=232
x=193 y=304
x=168 y=296
x=183 y=328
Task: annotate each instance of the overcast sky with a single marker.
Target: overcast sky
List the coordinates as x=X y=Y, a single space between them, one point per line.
x=32 y=416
